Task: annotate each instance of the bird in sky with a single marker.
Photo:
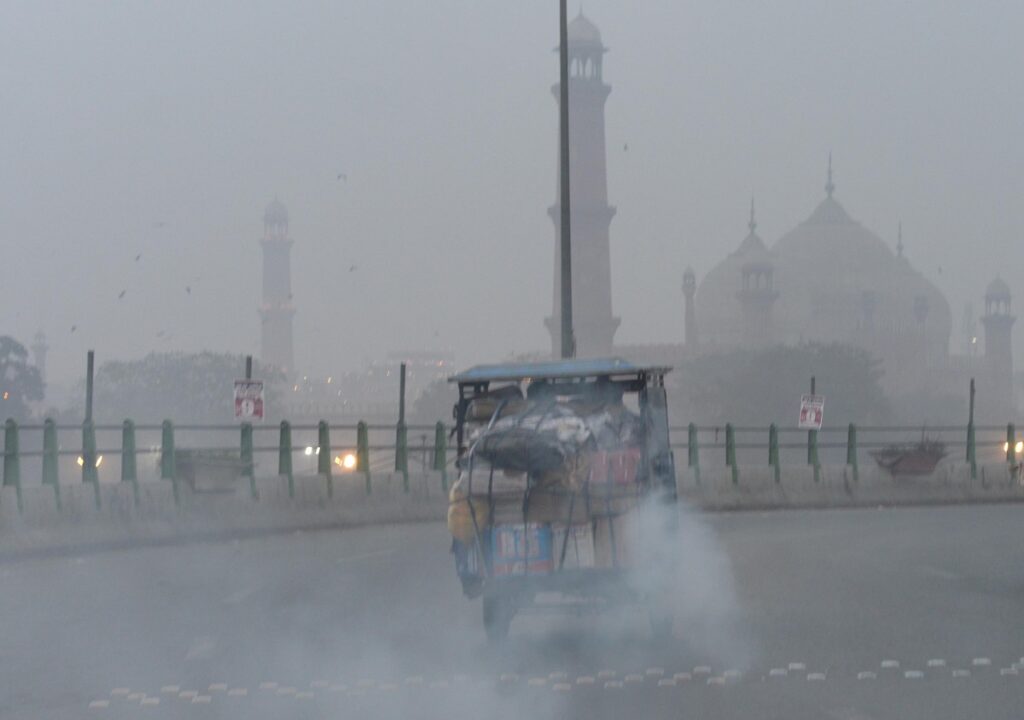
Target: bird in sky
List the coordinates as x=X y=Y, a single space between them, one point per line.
x=625 y=148
x=121 y=294
x=160 y=223
x=343 y=176
x=138 y=257
x=188 y=289
x=73 y=328
x=352 y=268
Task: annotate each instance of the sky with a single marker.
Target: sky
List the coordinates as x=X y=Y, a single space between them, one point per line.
x=163 y=129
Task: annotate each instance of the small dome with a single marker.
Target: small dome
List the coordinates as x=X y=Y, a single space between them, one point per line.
x=689 y=274
x=276 y=213
x=997 y=290
x=583 y=32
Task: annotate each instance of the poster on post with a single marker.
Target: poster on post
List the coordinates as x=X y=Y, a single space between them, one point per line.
x=812 y=411
x=248 y=400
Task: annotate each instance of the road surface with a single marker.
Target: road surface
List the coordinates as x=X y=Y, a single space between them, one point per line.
x=851 y=614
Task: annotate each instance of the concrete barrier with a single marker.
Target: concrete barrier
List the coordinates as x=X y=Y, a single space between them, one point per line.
x=122 y=520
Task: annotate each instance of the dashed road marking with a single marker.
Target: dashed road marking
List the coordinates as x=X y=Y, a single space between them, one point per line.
x=119 y=691
x=201 y=700
x=238 y=692
x=867 y=675
x=633 y=678
x=981 y=662
x=778 y=672
x=135 y=697
x=936 y=662
x=655 y=671
x=509 y=678
x=537 y=681
x=961 y=673
x=365 y=683
x=816 y=677
x=681 y=677
x=268 y=686
x=287 y=691
x=1009 y=671
x=306 y=695
x=731 y=675
x=585 y=680
x=702 y=670
x=716 y=681
x=605 y=674
x=337 y=688
x=666 y=682
x=319 y=684
x=797 y=666
x=187 y=694
x=890 y=664
x=557 y=676
x=913 y=674
x=561 y=687
x=99 y=704
x=612 y=685
x=218 y=687
x=150 y=701
x=414 y=680
x=170 y=689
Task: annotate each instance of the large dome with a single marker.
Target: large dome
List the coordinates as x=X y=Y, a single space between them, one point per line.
x=835 y=281
x=582 y=31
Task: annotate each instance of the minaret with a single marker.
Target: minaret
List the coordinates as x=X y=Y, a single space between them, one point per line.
x=757 y=293
x=276 y=310
x=39 y=349
x=593 y=323
x=998 y=322
x=689 y=292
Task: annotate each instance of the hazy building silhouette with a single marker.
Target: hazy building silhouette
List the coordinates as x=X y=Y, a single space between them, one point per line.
x=276 y=310
x=594 y=324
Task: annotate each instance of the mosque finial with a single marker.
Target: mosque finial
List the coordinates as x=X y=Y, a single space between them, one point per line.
x=753 y=222
x=899 y=240
x=830 y=186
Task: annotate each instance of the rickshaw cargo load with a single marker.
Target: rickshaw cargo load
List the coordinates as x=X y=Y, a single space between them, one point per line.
x=574 y=546
x=521 y=549
x=539 y=439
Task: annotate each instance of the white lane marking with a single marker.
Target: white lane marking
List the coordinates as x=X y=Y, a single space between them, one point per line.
x=217 y=687
x=1008 y=671
x=795 y=666
x=605 y=674
x=509 y=678
x=634 y=678
x=201 y=647
x=99 y=704
x=286 y=691
x=537 y=681
x=666 y=682
x=778 y=672
x=655 y=671
x=150 y=701
x=170 y=689
x=702 y=670
x=585 y=680
x=981 y=662
x=681 y=676
x=612 y=685
x=119 y=691
x=936 y=662
x=306 y=695
x=201 y=700
x=557 y=676
x=731 y=675
x=890 y=664
x=867 y=675
x=816 y=677
x=268 y=686
x=961 y=673
x=913 y=675
x=135 y=697
x=238 y=692
x=187 y=694
x=716 y=681
x=561 y=687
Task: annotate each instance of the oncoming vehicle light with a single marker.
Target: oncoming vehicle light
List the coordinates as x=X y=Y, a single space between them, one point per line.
x=347 y=460
x=1017 y=448
x=99 y=461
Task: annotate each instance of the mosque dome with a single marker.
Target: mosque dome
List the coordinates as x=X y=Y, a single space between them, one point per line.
x=582 y=31
x=997 y=290
x=276 y=213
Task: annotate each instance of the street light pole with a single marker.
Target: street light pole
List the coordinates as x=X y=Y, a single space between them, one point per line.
x=565 y=250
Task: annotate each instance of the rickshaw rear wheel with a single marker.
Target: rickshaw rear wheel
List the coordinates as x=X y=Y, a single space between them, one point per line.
x=498 y=614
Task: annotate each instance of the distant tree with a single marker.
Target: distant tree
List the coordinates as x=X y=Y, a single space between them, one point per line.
x=435 y=403
x=20 y=382
x=182 y=387
x=758 y=387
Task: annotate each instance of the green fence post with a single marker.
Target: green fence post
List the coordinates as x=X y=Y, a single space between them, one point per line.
x=90 y=460
x=363 y=453
x=730 y=452
x=972 y=457
x=168 y=468
x=773 y=451
x=128 y=470
x=402 y=454
x=692 y=451
x=324 y=459
x=812 y=453
x=51 y=474
x=851 y=451
x=284 y=456
x=1011 y=444
x=245 y=454
x=441 y=454
x=12 y=459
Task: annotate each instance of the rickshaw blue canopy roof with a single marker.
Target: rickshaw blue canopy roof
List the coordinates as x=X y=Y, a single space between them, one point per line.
x=556 y=369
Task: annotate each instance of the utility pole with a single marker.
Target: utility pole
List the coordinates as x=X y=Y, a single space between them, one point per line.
x=568 y=342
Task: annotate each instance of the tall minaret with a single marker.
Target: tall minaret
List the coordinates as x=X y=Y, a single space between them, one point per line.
x=757 y=292
x=593 y=323
x=276 y=310
x=998 y=322
x=39 y=349
x=689 y=293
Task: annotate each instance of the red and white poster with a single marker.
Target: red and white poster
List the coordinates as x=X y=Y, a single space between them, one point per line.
x=248 y=400
x=812 y=411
